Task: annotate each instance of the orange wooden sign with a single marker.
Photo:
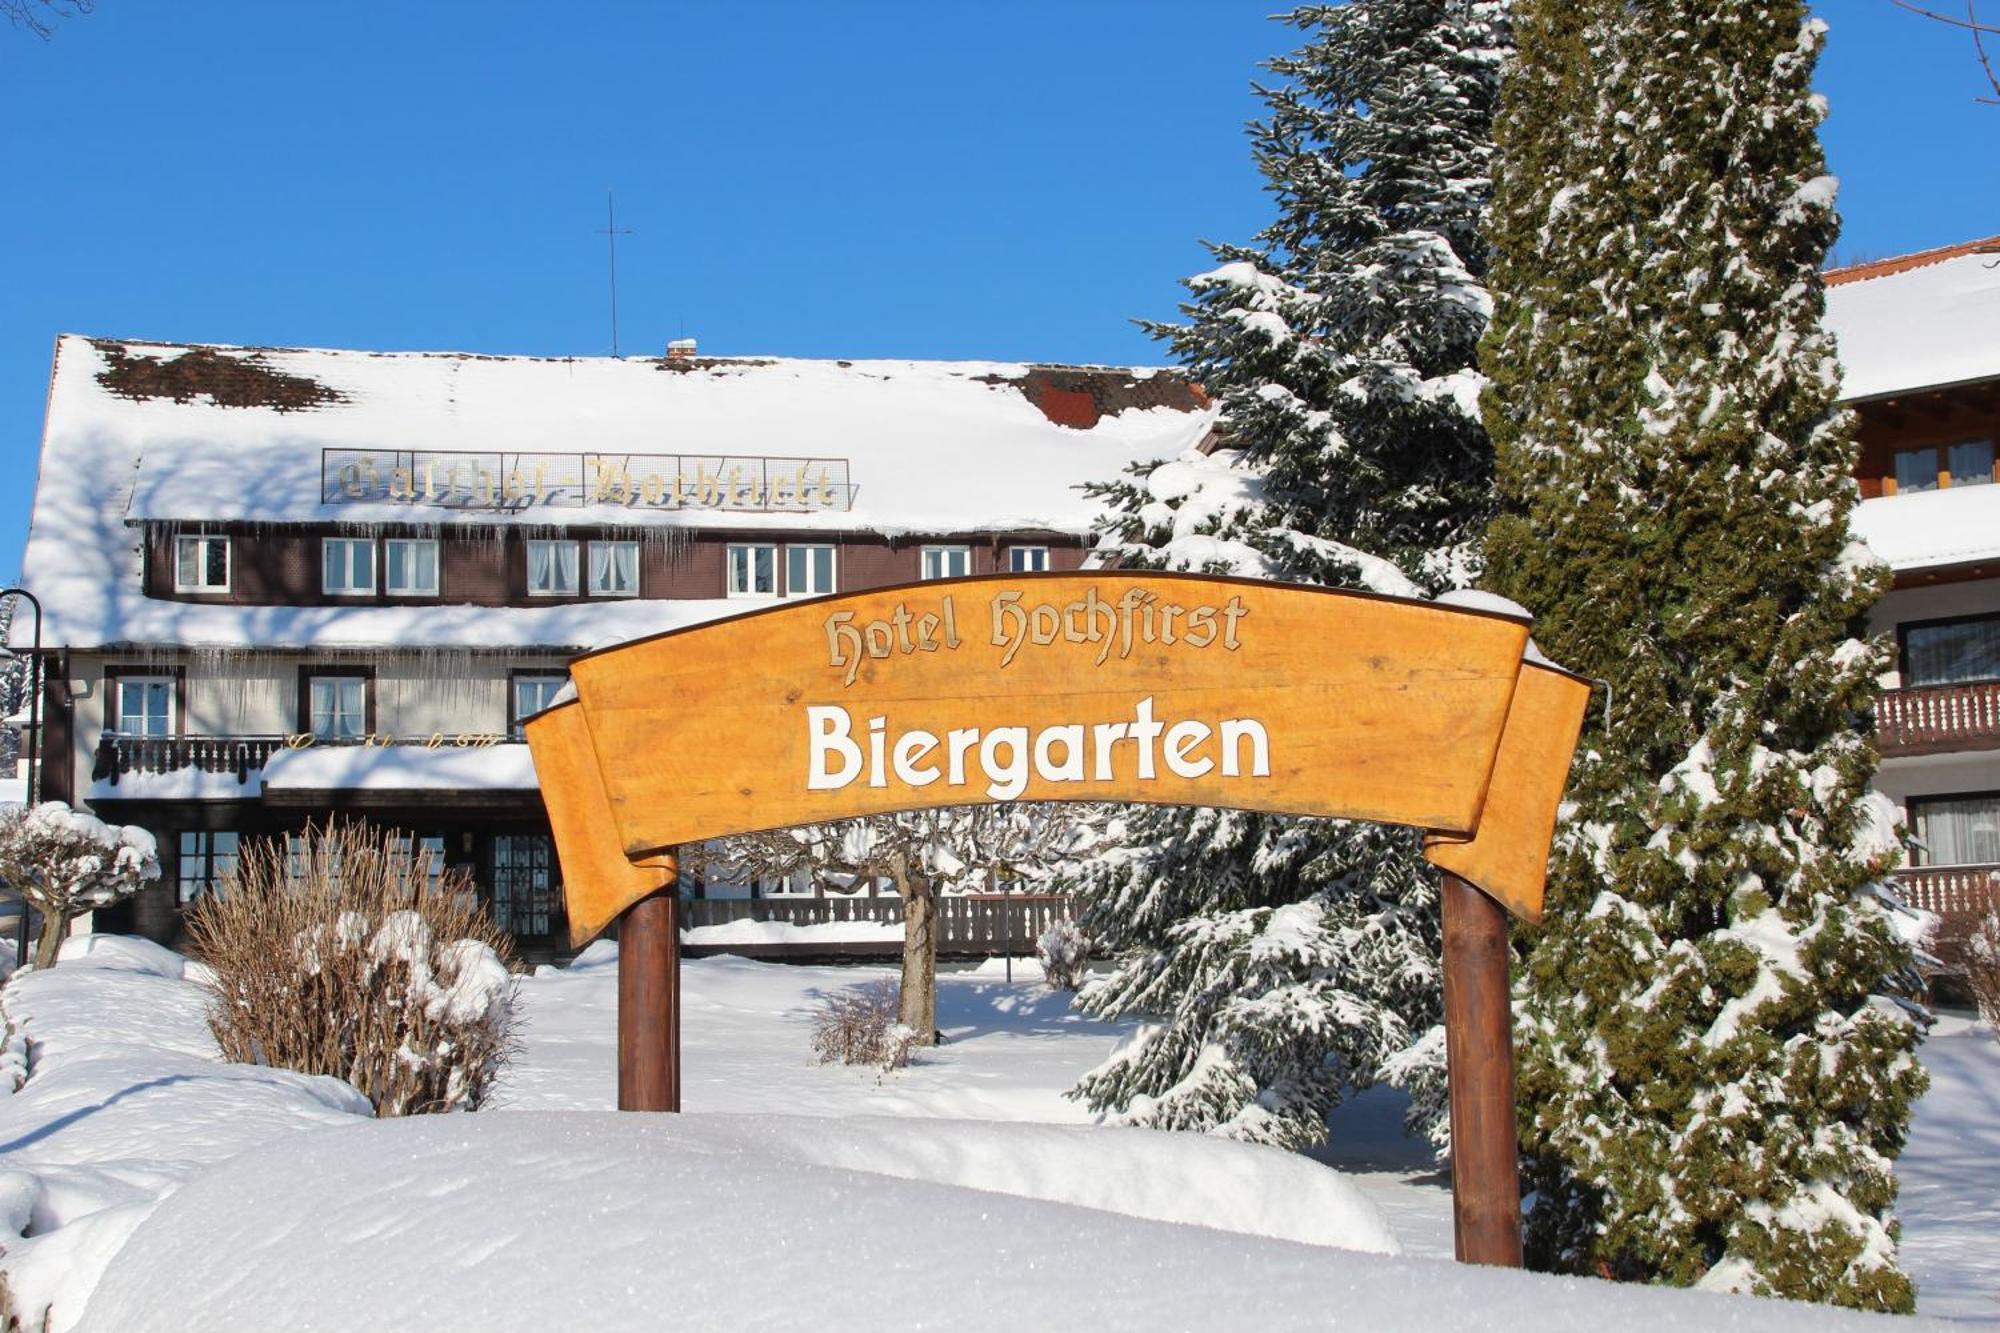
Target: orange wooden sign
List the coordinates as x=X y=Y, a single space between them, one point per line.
x=1100 y=686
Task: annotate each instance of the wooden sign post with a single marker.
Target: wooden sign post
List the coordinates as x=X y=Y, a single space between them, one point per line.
x=1100 y=686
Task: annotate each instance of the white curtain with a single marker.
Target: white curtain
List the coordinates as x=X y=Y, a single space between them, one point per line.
x=614 y=567
x=1961 y=832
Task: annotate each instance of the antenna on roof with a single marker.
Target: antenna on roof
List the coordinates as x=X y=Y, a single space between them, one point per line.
x=611 y=231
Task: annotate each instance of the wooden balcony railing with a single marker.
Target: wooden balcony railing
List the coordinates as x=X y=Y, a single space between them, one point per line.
x=1958 y=894
x=994 y=923
x=1935 y=718
x=238 y=755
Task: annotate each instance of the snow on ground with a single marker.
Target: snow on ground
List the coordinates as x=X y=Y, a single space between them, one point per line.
x=1010 y=1051
x=1950 y=1175
x=747 y=931
x=964 y=1190
x=128 y=1100
x=566 y=1219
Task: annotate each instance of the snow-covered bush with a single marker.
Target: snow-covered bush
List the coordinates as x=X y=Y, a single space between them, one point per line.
x=65 y=863
x=340 y=957
x=1982 y=962
x=859 y=1027
x=1064 y=953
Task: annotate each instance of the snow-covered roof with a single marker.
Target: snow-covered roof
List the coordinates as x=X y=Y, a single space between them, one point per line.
x=1920 y=321
x=1932 y=529
x=401 y=768
x=140 y=431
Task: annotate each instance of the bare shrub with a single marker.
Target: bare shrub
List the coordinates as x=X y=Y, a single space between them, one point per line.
x=1064 y=953
x=1982 y=962
x=860 y=1027
x=338 y=957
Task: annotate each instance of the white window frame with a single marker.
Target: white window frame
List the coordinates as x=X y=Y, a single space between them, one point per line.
x=807 y=549
x=337 y=712
x=172 y=687
x=200 y=542
x=514 y=684
x=350 y=588
x=729 y=570
x=612 y=548
x=940 y=555
x=389 y=584
x=575 y=585
x=1016 y=554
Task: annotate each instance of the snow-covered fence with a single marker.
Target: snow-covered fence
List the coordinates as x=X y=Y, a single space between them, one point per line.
x=980 y=924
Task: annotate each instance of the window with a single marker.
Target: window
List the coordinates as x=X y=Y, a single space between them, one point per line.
x=145 y=705
x=551 y=569
x=204 y=859
x=410 y=567
x=1967 y=463
x=201 y=564
x=1957 y=830
x=614 y=569
x=337 y=707
x=347 y=565
x=1027 y=559
x=753 y=571
x=1950 y=652
x=1916 y=470
x=808 y=571
x=947 y=562
x=1971 y=463
x=531 y=694
x=425 y=850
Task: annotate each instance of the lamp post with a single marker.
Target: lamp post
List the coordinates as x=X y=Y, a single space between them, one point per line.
x=35 y=753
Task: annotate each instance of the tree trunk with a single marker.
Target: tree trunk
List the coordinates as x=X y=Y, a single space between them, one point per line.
x=54 y=926
x=920 y=947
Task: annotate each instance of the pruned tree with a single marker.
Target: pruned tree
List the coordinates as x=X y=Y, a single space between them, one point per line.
x=923 y=853
x=39 y=18
x=65 y=862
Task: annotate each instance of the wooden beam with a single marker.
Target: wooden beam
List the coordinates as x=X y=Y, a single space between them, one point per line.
x=649 y=1004
x=1479 y=1048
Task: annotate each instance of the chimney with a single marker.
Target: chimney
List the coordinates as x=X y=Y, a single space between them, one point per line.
x=680 y=352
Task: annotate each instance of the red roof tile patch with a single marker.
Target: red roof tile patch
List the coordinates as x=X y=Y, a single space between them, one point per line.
x=1882 y=268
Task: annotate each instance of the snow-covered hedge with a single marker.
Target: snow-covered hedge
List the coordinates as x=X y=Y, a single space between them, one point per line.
x=341 y=958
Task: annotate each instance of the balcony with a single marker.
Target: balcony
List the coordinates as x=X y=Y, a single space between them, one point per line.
x=1935 y=719
x=238 y=756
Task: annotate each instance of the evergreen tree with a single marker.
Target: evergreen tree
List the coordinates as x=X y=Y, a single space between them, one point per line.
x=1712 y=1087
x=1286 y=962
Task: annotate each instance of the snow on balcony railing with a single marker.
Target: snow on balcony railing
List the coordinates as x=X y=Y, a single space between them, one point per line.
x=242 y=756
x=1936 y=718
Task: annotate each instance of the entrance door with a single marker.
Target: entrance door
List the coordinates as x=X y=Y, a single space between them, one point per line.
x=525 y=898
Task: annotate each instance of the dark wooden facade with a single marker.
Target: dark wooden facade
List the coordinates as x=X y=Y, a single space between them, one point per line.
x=488 y=565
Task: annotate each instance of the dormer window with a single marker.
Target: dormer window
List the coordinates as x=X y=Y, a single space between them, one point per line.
x=201 y=564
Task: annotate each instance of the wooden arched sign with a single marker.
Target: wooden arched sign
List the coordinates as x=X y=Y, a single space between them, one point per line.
x=1099 y=686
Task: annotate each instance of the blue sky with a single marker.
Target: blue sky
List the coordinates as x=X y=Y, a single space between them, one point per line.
x=1013 y=181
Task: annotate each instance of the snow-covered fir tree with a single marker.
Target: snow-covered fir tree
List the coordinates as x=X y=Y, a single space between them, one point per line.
x=1283 y=963
x=13 y=689
x=1712 y=1085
